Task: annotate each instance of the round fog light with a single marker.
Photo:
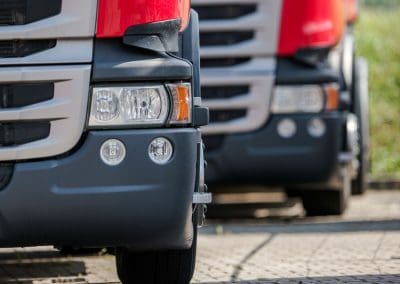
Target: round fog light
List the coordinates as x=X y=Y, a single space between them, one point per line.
x=287 y=128
x=112 y=152
x=316 y=127
x=160 y=150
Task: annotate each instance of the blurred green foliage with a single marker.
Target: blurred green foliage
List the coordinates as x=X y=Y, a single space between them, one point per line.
x=378 y=40
x=379 y=3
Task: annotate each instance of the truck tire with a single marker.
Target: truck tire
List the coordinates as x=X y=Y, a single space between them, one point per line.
x=360 y=109
x=156 y=267
x=325 y=200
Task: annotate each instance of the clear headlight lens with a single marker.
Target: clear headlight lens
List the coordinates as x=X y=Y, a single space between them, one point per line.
x=141 y=104
x=303 y=99
x=134 y=105
x=106 y=105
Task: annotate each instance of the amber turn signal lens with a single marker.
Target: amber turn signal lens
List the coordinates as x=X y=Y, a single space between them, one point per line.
x=182 y=103
x=332 y=97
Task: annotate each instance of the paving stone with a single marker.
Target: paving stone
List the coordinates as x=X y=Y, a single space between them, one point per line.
x=363 y=246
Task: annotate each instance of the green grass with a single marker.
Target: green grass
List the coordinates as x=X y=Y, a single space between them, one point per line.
x=378 y=40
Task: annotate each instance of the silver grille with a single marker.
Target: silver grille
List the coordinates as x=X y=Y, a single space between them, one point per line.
x=66 y=111
x=238 y=43
x=72 y=30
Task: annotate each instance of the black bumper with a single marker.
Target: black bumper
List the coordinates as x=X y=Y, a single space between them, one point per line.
x=264 y=157
x=79 y=200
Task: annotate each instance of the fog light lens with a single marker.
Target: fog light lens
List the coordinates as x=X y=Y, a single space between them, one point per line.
x=287 y=128
x=105 y=106
x=112 y=152
x=316 y=127
x=160 y=150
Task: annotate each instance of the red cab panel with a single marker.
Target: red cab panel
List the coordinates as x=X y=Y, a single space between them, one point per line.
x=115 y=16
x=310 y=23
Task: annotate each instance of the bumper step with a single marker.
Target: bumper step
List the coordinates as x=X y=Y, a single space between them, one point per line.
x=202 y=198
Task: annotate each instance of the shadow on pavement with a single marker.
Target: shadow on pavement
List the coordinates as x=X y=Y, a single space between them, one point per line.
x=39 y=266
x=45 y=254
x=382 y=279
x=12 y=255
x=42 y=272
x=294 y=228
x=288 y=209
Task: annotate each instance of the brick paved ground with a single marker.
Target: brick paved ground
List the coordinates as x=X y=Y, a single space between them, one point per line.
x=363 y=246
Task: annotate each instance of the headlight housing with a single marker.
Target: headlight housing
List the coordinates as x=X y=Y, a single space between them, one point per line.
x=305 y=98
x=140 y=106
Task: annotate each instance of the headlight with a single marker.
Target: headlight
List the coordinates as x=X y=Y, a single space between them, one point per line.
x=105 y=105
x=304 y=99
x=148 y=105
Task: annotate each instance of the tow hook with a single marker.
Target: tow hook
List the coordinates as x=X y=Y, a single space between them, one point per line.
x=350 y=157
x=201 y=197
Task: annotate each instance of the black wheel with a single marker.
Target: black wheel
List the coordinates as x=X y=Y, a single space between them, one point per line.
x=325 y=200
x=360 y=184
x=154 y=267
x=360 y=109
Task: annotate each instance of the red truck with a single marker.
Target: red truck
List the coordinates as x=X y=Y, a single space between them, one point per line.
x=100 y=144
x=288 y=98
